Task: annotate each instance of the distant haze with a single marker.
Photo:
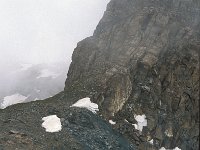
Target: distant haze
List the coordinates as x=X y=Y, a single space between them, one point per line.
x=42 y=31
x=37 y=38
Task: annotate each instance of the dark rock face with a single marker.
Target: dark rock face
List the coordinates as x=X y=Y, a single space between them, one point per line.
x=144 y=59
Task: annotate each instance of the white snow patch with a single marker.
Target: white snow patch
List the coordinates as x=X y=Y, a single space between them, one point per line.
x=47 y=73
x=12 y=99
x=141 y=122
x=36 y=99
x=126 y=121
x=86 y=103
x=151 y=141
x=112 y=122
x=176 y=148
x=136 y=126
x=52 y=123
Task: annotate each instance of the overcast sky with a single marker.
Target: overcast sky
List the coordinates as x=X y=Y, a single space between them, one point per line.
x=38 y=31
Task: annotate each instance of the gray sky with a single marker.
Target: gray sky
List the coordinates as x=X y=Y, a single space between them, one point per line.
x=38 y=31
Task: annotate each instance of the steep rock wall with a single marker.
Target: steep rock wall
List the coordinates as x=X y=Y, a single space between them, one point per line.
x=144 y=59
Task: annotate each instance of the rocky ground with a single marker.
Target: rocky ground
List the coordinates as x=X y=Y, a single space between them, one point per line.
x=22 y=129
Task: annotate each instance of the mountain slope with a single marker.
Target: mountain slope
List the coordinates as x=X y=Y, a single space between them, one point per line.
x=141 y=67
x=21 y=128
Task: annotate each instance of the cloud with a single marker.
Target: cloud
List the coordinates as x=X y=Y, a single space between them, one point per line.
x=37 y=31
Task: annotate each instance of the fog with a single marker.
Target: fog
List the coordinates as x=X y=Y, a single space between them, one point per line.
x=38 y=35
x=38 y=31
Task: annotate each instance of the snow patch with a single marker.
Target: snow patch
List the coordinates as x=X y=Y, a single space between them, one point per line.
x=47 y=73
x=126 y=121
x=151 y=141
x=36 y=99
x=176 y=148
x=86 y=103
x=160 y=102
x=12 y=99
x=52 y=123
x=112 y=122
x=135 y=126
x=141 y=122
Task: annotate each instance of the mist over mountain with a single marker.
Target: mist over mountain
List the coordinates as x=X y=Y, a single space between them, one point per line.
x=46 y=80
x=45 y=31
x=36 y=43
x=133 y=85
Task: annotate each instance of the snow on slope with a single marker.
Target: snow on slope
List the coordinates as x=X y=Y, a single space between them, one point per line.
x=52 y=123
x=141 y=122
x=176 y=148
x=112 y=122
x=86 y=103
x=11 y=100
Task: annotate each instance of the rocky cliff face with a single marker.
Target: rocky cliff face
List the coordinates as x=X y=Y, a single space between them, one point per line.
x=144 y=59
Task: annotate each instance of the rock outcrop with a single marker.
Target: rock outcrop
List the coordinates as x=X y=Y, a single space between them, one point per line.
x=143 y=59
